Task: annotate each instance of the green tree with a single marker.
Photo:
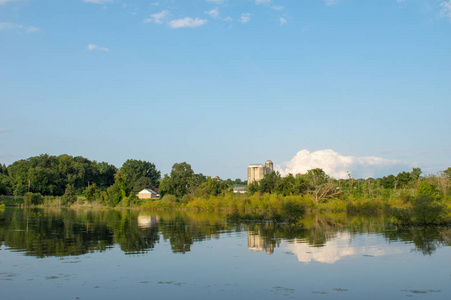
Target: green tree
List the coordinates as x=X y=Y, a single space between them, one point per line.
x=32 y=199
x=427 y=189
x=91 y=192
x=70 y=195
x=133 y=170
x=269 y=181
x=180 y=181
x=5 y=185
x=427 y=210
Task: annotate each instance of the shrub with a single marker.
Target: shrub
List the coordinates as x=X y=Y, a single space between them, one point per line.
x=425 y=210
x=32 y=199
x=69 y=196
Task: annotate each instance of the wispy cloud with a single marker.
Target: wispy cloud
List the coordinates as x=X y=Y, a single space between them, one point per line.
x=278 y=7
x=330 y=2
x=446 y=9
x=3 y=2
x=283 y=21
x=158 y=18
x=97 y=1
x=338 y=165
x=187 y=22
x=216 y=1
x=214 y=13
x=93 y=47
x=245 y=17
x=4 y=26
x=4 y=130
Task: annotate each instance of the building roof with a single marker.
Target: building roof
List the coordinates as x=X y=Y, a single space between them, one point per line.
x=148 y=191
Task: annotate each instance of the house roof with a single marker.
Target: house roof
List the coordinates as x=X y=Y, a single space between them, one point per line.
x=148 y=191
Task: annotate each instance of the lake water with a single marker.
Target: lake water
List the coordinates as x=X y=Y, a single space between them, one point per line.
x=120 y=254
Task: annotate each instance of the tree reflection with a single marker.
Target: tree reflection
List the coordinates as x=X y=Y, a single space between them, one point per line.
x=64 y=232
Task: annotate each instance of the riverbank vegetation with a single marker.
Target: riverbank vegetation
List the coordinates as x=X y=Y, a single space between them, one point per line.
x=409 y=197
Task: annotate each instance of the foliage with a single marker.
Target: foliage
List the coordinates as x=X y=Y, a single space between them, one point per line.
x=137 y=174
x=181 y=181
x=5 y=184
x=425 y=210
x=49 y=175
x=32 y=199
x=91 y=192
x=70 y=195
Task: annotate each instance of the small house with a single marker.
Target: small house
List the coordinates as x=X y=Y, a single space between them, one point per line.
x=148 y=194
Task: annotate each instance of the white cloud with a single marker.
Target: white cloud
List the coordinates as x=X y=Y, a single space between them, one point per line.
x=245 y=17
x=330 y=2
x=214 y=13
x=337 y=165
x=446 y=9
x=187 y=22
x=262 y=1
x=92 y=47
x=4 y=26
x=278 y=7
x=97 y=1
x=283 y=21
x=228 y=19
x=158 y=18
x=216 y=1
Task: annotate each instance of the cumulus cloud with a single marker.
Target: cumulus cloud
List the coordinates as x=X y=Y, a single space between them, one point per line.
x=245 y=17
x=446 y=9
x=214 y=13
x=337 y=165
x=158 y=18
x=97 y=1
x=187 y=22
x=4 y=26
x=93 y=47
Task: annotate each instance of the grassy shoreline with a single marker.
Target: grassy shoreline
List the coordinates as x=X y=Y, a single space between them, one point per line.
x=403 y=210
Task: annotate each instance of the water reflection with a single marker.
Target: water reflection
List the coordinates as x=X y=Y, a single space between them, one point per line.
x=325 y=239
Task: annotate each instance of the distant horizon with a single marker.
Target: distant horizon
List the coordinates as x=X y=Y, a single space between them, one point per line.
x=358 y=86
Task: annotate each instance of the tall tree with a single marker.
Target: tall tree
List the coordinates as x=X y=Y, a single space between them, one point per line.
x=180 y=181
x=133 y=170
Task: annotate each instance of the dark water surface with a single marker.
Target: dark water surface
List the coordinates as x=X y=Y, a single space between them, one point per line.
x=120 y=254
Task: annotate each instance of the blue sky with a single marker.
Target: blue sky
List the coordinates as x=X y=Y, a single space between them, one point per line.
x=222 y=84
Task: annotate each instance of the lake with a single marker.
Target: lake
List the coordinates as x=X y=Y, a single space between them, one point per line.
x=119 y=254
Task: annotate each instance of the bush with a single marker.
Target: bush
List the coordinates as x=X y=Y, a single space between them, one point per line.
x=292 y=212
x=425 y=210
x=69 y=196
x=32 y=199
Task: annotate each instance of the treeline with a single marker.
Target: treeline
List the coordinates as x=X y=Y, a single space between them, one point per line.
x=62 y=179
x=322 y=187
